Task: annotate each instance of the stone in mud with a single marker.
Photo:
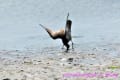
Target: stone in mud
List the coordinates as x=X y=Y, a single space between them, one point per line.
x=75 y=64
x=63 y=59
x=70 y=60
x=56 y=79
x=6 y=79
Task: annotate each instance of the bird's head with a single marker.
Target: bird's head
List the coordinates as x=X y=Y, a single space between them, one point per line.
x=69 y=23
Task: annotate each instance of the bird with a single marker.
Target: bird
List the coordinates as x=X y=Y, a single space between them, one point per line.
x=63 y=34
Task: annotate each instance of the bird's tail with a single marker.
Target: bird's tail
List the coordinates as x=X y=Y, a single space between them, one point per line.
x=50 y=32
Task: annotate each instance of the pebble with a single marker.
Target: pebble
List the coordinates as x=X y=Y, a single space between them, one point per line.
x=6 y=79
x=56 y=78
x=63 y=59
x=70 y=60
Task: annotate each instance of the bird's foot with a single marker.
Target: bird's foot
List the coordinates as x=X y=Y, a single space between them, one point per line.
x=72 y=49
x=66 y=51
x=72 y=46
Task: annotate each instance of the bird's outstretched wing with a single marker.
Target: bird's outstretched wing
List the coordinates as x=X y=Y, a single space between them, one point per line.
x=54 y=34
x=68 y=30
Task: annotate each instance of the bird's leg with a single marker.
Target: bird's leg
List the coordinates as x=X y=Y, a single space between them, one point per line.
x=72 y=44
x=67 y=46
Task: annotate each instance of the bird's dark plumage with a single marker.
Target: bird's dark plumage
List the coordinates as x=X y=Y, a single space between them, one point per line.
x=64 y=34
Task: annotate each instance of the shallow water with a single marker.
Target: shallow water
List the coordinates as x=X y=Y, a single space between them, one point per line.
x=94 y=23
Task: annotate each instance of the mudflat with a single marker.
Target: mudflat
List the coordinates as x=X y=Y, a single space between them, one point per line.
x=53 y=64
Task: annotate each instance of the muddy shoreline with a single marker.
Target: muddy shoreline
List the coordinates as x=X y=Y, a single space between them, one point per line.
x=53 y=64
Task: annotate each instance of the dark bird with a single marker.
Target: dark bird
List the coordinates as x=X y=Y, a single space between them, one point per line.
x=63 y=34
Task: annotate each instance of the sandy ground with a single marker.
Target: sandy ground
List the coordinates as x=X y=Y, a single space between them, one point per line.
x=51 y=64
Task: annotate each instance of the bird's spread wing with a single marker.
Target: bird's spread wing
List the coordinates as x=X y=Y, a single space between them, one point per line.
x=60 y=33
x=54 y=34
